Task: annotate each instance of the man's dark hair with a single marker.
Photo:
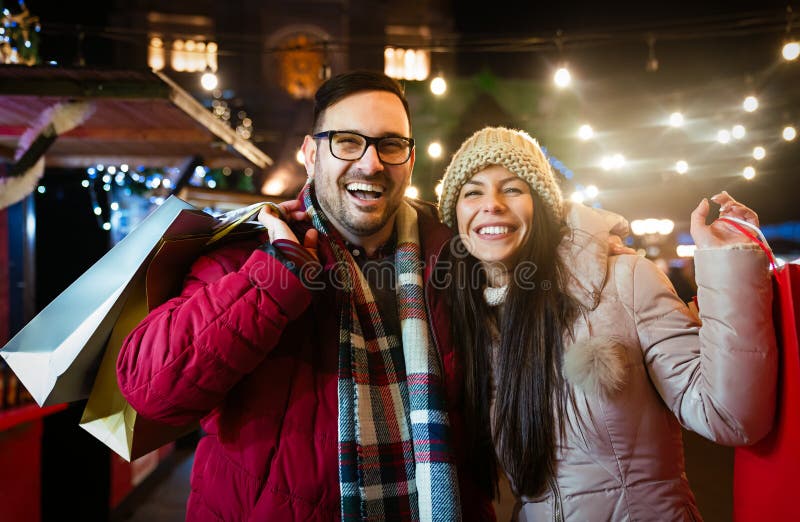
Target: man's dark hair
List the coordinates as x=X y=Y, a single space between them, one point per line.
x=346 y=84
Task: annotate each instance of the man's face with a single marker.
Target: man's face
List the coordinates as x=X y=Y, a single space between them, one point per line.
x=360 y=197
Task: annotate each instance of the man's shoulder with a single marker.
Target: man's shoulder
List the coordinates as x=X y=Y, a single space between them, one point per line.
x=427 y=213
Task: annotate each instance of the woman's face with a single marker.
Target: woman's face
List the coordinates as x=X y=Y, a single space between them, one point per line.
x=495 y=215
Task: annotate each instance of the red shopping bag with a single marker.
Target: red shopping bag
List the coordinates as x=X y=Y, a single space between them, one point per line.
x=766 y=475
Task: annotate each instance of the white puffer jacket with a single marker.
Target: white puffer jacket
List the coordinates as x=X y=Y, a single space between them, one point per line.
x=640 y=366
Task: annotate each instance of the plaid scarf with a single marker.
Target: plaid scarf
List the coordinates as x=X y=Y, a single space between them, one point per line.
x=395 y=461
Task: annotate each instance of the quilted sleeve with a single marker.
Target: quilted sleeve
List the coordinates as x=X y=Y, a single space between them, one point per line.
x=718 y=379
x=184 y=357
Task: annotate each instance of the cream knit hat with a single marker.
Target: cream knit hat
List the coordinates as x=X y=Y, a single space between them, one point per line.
x=512 y=149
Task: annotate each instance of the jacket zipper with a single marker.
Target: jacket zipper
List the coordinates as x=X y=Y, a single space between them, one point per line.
x=558 y=508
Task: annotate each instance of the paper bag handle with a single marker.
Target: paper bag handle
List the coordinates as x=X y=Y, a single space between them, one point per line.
x=753 y=233
x=245 y=215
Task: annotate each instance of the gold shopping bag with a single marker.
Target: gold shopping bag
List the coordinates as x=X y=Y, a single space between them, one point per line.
x=107 y=415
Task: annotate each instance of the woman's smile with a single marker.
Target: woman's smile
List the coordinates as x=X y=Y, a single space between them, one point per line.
x=494 y=213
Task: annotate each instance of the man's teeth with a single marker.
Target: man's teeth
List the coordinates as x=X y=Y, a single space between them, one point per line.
x=364 y=187
x=493 y=230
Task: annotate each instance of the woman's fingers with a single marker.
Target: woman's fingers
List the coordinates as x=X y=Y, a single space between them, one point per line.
x=729 y=207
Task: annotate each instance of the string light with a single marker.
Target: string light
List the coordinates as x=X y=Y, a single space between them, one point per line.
x=438 y=85
x=681 y=167
x=790 y=51
x=577 y=197
x=759 y=153
x=412 y=192
x=300 y=157
x=749 y=172
x=585 y=132
x=435 y=150
x=209 y=80
x=723 y=136
x=750 y=103
x=439 y=189
x=676 y=119
x=592 y=191
x=562 y=78
x=789 y=133
x=738 y=131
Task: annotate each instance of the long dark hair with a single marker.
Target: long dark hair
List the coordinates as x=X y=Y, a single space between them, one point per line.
x=530 y=392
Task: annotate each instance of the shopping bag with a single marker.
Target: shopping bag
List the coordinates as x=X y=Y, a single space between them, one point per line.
x=107 y=415
x=765 y=474
x=57 y=353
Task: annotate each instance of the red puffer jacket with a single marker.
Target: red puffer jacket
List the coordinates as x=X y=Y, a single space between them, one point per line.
x=251 y=351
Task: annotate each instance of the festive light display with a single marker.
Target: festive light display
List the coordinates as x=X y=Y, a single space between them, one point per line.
x=19 y=35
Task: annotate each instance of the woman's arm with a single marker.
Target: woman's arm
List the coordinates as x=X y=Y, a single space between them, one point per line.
x=720 y=379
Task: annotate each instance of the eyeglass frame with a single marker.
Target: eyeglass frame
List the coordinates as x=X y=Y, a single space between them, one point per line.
x=369 y=141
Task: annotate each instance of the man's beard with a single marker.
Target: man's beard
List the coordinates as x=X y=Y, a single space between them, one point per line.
x=337 y=208
x=353 y=220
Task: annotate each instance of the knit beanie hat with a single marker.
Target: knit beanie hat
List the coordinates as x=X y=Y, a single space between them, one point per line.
x=512 y=149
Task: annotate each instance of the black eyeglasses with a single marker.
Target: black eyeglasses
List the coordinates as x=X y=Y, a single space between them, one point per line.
x=351 y=146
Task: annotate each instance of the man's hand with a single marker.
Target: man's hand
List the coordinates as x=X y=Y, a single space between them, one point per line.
x=277 y=228
x=292 y=210
x=719 y=233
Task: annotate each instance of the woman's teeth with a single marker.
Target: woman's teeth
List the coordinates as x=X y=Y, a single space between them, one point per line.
x=493 y=230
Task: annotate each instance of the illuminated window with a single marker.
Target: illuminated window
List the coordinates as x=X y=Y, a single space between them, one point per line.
x=182 y=55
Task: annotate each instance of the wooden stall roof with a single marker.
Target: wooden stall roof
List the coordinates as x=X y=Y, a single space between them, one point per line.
x=141 y=118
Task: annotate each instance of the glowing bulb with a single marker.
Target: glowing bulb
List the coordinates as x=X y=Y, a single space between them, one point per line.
x=209 y=80
x=562 y=77
x=607 y=163
x=681 y=167
x=412 y=192
x=114 y=206
x=106 y=226
x=791 y=51
x=211 y=184
x=685 y=250
x=617 y=161
x=759 y=153
x=40 y=189
x=723 y=136
x=665 y=226
x=591 y=191
x=85 y=183
x=435 y=150
x=637 y=227
x=585 y=132
x=300 y=157
x=789 y=133
x=652 y=226
x=439 y=189
x=749 y=172
x=438 y=86
x=738 y=131
x=750 y=103
x=577 y=197
x=676 y=119
x=97 y=211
